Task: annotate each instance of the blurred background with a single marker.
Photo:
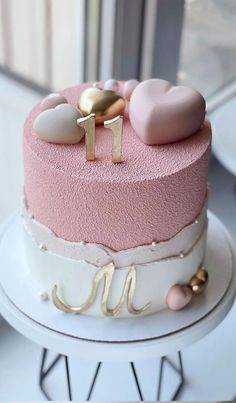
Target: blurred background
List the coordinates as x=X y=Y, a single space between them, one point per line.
x=46 y=45
x=57 y=43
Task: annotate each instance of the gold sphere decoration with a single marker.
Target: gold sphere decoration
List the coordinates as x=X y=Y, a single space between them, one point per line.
x=197 y=285
x=105 y=104
x=202 y=274
x=199 y=281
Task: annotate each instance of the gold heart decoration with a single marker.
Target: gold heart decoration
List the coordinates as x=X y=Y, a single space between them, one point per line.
x=105 y=104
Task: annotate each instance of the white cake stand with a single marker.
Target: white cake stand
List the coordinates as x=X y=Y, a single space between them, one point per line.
x=113 y=340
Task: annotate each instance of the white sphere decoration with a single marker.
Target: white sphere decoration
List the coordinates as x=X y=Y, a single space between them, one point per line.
x=97 y=84
x=111 y=85
x=44 y=296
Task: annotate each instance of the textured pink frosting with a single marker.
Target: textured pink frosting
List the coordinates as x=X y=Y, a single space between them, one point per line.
x=152 y=195
x=100 y=255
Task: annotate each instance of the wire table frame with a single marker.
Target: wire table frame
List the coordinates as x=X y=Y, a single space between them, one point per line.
x=46 y=370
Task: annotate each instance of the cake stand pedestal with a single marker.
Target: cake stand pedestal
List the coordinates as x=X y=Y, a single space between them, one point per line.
x=45 y=371
x=107 y=339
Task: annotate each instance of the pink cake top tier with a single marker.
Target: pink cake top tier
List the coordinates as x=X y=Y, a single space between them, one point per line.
x=152 y=195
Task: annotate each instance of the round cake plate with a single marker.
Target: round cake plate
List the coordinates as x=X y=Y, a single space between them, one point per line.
x=109 y=339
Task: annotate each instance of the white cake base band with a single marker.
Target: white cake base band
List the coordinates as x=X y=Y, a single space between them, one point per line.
x=75 y=278
x=63 y=332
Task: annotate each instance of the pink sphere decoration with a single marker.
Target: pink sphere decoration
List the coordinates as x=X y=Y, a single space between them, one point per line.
x=126 y=110
x=128 y=88
x=178 y=297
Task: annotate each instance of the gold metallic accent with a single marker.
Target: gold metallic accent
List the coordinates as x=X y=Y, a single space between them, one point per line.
x=199 y=281
x=197 y=285
x=106 y=272
x=186 y=253
x=129 y=288
x=116 y=125
x=202 y=274
x=105 y=104
x=88 y=123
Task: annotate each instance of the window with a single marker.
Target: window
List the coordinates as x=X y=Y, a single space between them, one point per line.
x=208 y=50
x=57 y=43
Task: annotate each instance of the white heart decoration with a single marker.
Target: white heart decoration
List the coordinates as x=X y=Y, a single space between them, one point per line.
x=59 y=125
x=52 y=100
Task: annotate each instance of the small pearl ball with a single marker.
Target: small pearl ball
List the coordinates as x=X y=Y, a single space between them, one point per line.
x=44 y=296
x=97 y=84
x=181 y=255
x=154 y=243
x=43 y=248
x=111 y=85
x=196 y=221
x=51 y=101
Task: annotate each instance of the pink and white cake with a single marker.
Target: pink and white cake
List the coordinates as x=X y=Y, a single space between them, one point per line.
x=117 y=239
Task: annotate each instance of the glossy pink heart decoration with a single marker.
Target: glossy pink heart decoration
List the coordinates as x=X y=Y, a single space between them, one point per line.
x=161 y=113
x=178 y=297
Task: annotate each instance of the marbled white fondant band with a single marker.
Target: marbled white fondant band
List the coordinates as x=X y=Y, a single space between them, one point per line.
x=99 y=255
x=75 y=278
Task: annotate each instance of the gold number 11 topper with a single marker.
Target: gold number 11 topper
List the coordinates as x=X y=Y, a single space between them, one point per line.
x=115 y=125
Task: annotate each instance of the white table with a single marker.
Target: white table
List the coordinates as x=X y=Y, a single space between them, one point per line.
x=122 y=349
x=223 y=121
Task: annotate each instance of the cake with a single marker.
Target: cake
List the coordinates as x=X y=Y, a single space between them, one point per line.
x=110 y=237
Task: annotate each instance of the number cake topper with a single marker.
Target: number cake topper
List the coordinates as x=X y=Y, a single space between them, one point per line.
x=88 y=123
x=62 y=123
x=116 y=125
